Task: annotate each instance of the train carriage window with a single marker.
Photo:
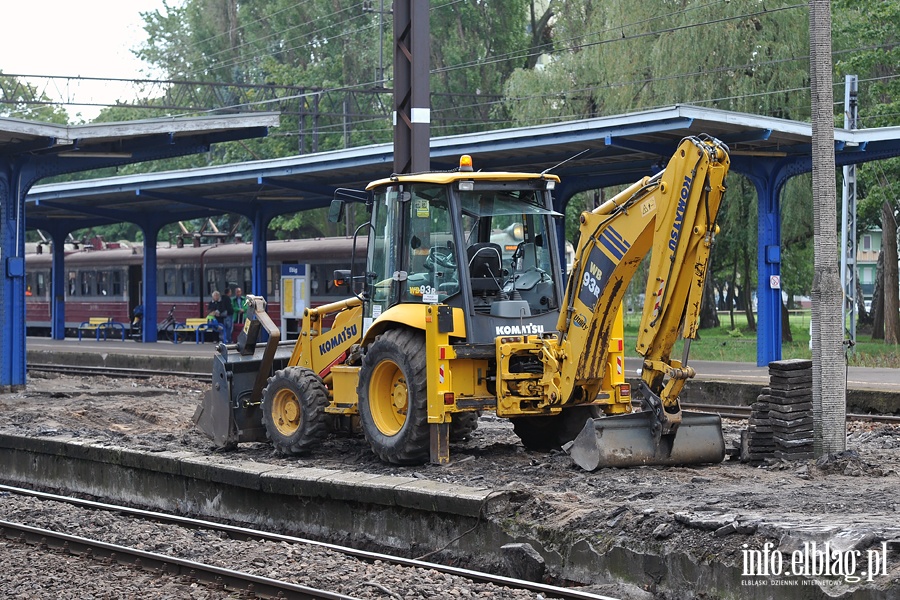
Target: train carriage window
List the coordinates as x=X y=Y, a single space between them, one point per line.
x=118 y=289
x=103 y=283
x=246 y=280
x=73 y=288
x=215 y=280
x=40 y=283
x=231 y=278
x=189 y=281
x=316 y=283
x=321 y=280
x=88 y=281
x=273 y=282
x=169 y=283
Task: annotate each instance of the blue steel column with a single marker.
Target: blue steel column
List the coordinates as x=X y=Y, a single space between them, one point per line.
x=768 y=177
x=151 y=235
x=58 y=287
x=260 y=256
x=768 y=265
x=12 y=290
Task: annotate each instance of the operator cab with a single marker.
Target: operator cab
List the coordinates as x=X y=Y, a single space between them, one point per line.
x=484 y=243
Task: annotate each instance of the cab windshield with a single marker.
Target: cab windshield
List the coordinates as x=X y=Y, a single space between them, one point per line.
x=508 y=248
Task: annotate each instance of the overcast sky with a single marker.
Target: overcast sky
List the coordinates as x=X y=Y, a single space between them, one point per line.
x=88 y=38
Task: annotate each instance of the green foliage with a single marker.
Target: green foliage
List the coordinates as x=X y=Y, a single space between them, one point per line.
x=865 y=40
x=617 y=56
x=797 y=236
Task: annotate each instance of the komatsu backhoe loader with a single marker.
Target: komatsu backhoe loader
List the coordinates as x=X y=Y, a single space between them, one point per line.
x=445 y=323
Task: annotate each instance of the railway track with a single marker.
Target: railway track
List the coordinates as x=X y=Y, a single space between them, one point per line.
x=91 y=371
x=724 y=410
x=190 y=571
x=743 y=412
x=234 y=580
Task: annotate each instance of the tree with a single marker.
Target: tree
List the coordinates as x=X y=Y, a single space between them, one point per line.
x=891 y=302
x=876 y=62
x=620 y=56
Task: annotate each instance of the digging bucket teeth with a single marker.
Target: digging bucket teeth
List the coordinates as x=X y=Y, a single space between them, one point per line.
x=628 y=441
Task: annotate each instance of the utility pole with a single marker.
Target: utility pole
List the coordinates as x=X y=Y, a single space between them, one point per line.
x=849 y=273
x=829 y=361
x=367 y=7
x=412 y=89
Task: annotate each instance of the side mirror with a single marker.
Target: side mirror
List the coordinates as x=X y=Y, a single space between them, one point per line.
x=336 y=211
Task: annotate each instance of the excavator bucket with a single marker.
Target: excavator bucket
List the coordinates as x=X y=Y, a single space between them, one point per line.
x=627 y=441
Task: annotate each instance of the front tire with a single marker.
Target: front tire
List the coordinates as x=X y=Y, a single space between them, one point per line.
x=392 y=392
x=293 y=410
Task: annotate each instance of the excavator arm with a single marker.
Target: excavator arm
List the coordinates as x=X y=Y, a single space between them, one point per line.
x=672 y=217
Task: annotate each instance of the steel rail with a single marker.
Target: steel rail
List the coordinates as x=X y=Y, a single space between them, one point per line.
x=171 y=565
x=114 y=371
x=256 y=535
x=743 y=412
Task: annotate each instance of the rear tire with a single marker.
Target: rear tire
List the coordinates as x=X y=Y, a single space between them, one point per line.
x=392 y=394
x=543 y=434
x=293 y=410
x=463 y=425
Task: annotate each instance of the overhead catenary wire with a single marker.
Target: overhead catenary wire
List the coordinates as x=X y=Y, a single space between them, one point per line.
x=583 y=88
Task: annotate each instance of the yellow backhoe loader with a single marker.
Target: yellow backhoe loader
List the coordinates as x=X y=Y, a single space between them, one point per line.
x=461 y=309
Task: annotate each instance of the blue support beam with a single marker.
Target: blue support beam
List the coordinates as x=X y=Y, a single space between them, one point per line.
x=58 y=281
x=259 y=257
x=768 y=176
x=15 y=179
x=58 y=289
x=151 y=238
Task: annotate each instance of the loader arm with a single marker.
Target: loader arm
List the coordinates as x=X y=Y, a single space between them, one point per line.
x=672 y=216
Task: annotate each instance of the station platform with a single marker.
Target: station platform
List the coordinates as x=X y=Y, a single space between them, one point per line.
x=186 y=357
x=875 y=390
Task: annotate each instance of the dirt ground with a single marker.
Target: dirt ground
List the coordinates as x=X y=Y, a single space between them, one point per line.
x=714 y=513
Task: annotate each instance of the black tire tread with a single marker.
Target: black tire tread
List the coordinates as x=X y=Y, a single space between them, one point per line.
x=463 y=425
x=411 y=445
x=313 y=397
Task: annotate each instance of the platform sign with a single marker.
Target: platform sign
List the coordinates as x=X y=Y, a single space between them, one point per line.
x=294 y=291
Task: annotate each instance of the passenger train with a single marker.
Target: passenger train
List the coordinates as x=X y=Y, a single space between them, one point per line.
x=106 y=279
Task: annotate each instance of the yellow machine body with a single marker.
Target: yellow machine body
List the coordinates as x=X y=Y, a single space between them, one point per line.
x=440 y=329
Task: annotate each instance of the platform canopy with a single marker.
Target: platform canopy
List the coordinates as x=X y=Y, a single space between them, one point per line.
x=31 y=151
x=587 y=154
x=619 y=149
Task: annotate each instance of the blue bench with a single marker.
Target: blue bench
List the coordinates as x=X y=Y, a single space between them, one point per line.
x=102 y=325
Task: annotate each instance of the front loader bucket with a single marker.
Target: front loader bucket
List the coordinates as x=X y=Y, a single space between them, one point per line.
x=229 y=413
x=627 y=441
x=215 y=417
